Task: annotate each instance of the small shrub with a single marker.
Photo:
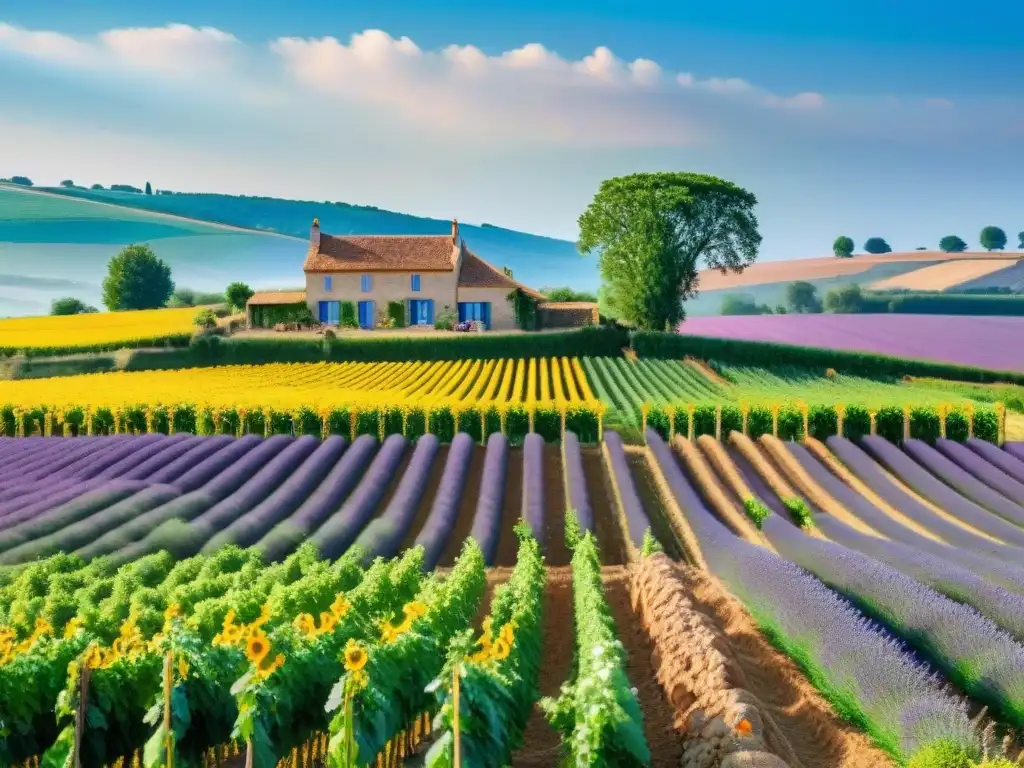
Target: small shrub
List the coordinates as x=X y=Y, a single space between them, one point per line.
x=205 y=319
x=446 y=320
x=756 y=511
x=396 y=311
x=348 y=315
x=799 y=511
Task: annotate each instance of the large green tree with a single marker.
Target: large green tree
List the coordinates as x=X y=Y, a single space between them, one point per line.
x=992 y=239
x=653 y=229
x=843 y=247
x=238 y=295
x=1020 y=237
x=137 y=279
x=952 y=244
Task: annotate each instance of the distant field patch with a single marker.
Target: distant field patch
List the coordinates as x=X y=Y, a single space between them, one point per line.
x=939 y=277
x=100 y=331
x=985 y=342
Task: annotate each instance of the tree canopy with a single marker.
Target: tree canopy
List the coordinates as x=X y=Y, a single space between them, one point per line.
x=69 y=305
x=1020 y=237
x=739 y=304
x=843 y=247
x=992 y=239
x=845 y=300
x=802 y=297
x=149 y=189
x=877 y=245
x=67 y=183
x=238 y=294
x=952 y=244
x=137 y=279
x=652 y=230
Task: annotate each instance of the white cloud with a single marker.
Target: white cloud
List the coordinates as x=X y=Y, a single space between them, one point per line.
x=529 y=94
x=175 y=49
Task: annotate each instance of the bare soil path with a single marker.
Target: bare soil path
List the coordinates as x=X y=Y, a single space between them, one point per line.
x=542 y=744
x=659 y=715
x=606 y=526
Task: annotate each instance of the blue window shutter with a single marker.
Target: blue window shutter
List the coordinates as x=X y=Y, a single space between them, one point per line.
x=366 y=283
x=416 y=283
x=327 y=283
x=323 y=311
x=430 y=311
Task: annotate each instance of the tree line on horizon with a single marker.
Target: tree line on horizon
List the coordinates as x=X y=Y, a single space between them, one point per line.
x=992 y=238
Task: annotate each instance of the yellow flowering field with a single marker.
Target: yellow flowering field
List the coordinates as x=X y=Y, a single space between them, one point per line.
x=101 y=330
x=286 y=387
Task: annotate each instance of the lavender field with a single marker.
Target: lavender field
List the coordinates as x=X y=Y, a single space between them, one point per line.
x=985 y=342
x=924 y=540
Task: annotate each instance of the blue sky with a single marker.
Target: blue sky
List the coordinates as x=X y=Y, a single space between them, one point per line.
x=895 y=119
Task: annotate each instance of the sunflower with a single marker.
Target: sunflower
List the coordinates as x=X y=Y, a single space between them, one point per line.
x=500 y=650
x=507 y=634
x=94 y=656
x=72 y=627
x=257 y=646
x=182 y=667
x=414 y=610
x=341 y=606
x=327 y=622
x=266 y=671
x=355 y=655
x=305 y=623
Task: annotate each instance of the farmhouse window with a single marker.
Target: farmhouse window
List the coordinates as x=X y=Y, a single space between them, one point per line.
x=366 y=283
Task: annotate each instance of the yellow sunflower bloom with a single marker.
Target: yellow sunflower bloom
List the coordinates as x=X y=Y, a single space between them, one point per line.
x=257 y=646
x=72 y=627
x=266 y=671
x=305 y=623
x=506 y=634
x=341 y=606
x=355 y=656
x=414 y=610
x=327 y=622
x=500 y=650
x=183 y=667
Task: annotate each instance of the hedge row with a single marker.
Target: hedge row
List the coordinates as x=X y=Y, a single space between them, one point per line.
x=942 y=304
x=769 y=354
x=174 y=341
x=823 y=422
x=515 y=422
x=594 y=341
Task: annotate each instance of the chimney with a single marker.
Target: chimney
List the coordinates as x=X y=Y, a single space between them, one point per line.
x=314 y=234
x=455 y=231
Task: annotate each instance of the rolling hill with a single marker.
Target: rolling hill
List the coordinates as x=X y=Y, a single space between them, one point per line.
x=56 y=242
x=766 y=282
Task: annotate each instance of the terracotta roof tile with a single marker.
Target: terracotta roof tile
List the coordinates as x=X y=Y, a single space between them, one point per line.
x=277 y=297
x=477 y=273
x=380 y=253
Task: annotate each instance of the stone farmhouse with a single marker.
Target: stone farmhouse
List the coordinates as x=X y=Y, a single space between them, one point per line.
x=429 y=274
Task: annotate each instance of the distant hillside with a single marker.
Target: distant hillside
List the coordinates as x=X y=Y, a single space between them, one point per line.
x=535 y=260
x=765 y=282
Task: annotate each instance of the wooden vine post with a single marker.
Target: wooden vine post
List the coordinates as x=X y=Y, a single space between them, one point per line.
x=745 y=413
x=562 y=411
x=268 y=421
x=775 y=420
x=168 y=684
x=1000 y=423
x=969 y=413
x=380 y=423
x=600 y=423
x=690 y=408
x=807 y=420
x=943 y=412
x=718 y=422
x=457 y=760
x=671 y=411
x=644 y=410
x=83 y=699
x=502 y=417
x=426 y=420
x=529 y=415
x=483 y=426
x=353 y=415
x=873 y=416
x=906 y=423
x=840 y=414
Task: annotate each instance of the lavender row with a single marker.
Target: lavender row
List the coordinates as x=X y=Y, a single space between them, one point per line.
x=984 y=471
x=627 y=498
x=277 y=492
x=445 y=510
x=982 y=659
x=869 y=471
x=1006 y=573
x=487 y=517
x=533 y=485
x=964 y=482
x=383 y=536
x=1015 y=449
x=576 y=496
x=341 y=529
x=1011 y=465
x=899 y=700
